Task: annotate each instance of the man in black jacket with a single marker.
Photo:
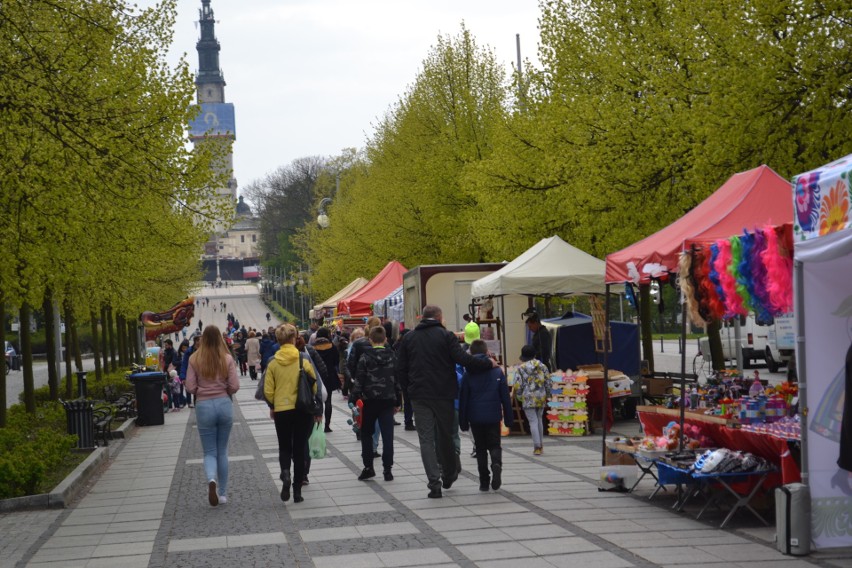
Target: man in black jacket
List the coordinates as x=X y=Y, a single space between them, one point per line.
x=426 y=371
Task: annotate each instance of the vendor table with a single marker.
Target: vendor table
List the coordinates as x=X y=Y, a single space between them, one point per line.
x=715 y=486
x=774 y=450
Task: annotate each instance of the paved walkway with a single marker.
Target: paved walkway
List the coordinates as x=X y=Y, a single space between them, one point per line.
x=149 y=508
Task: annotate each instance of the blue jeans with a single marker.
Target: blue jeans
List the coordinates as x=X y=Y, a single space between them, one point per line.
x=215 y=417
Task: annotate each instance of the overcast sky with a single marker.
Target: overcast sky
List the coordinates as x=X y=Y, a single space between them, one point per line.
x=310 y=77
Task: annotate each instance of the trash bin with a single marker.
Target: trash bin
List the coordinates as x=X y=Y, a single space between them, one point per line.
x=149 y=397
x=80 y=421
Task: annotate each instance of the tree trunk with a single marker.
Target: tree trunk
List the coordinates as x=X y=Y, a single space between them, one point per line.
x=111 y=330
x=104 y=340
x=3 y=374
x=716 y=354
x=645 y=325
x=119 y=338
x=93 y=315
x=50 y=343
x=134 y=341
x=69 y=348
x=27 y=352
x=78 y=356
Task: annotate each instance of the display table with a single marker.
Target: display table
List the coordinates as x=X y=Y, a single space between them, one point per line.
x=774 y=450
x=715 y=487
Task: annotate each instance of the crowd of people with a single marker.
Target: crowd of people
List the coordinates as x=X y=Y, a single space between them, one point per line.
x=441 y=384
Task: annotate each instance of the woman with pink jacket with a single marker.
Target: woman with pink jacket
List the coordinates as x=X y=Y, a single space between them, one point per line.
x=212 y=377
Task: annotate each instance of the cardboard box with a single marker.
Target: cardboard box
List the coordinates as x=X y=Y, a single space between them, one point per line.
x=618 y=458
x=655 y=386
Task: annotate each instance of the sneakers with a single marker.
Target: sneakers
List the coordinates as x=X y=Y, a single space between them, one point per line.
x=410 y=428
x=376 y=454
x=212 y=496
x=367 y=473
x=222 y=499
x=327 y=430
x=306 y=481
x=285 y=491
x=473 y=453
x=537 y=452
x=388 y=475
x=483 y=485
x=496 y=480
x=435 y=493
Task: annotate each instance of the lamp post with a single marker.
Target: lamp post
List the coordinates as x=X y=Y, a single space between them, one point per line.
x=322 y=217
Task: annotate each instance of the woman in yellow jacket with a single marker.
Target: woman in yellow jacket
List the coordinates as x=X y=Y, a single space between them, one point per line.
x=292 y=426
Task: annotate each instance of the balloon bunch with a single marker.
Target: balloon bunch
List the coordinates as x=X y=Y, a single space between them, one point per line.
x=730 y=277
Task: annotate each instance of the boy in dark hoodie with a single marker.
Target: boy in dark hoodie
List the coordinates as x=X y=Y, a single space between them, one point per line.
x=483 y=402
x=375 y=383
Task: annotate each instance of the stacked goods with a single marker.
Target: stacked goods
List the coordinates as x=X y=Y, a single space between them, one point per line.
x=567 y=410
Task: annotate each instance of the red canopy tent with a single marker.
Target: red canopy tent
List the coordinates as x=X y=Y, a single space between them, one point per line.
x=360 y=303
x=747 y=200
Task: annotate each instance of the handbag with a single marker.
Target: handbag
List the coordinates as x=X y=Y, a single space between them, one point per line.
x=261 y=384
x=305 y=399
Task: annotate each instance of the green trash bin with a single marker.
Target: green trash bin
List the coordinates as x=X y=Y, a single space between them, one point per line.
x=149 y=397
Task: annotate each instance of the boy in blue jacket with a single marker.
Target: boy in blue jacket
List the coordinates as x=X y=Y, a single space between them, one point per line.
x=483 y=402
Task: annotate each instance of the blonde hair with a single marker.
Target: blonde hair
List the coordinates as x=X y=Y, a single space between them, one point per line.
x=357 y=333
x=211 y=360
x=285 y=333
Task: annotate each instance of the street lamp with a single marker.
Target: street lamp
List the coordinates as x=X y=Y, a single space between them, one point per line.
x=322 y=218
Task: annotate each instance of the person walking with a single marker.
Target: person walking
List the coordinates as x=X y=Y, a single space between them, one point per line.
x=212 y=378
x=330 y=356
x=532 y=389
x=184 y=367
x=375 y=384
x=253 y=354
x=292 y=426
x=542 y=341
x=483 y=403
x=426 y=371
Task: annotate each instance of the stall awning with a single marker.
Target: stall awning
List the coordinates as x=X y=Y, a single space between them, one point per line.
x=360 y=303
x=347 y=290
x=747 y=200
x=550 y=267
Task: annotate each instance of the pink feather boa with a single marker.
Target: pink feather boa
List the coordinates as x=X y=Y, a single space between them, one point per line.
x=779 y=269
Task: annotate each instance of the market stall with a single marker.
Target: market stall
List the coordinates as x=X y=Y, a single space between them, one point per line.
x=360 y=304
x=326 y=308
x=551 y=267
x=391 y=307
x=823 y=270
x=748 y=199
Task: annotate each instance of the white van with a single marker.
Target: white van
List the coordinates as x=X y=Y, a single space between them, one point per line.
x=770 y=343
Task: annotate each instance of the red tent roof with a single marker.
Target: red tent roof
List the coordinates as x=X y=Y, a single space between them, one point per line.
x=747 y=200
x=385 y=282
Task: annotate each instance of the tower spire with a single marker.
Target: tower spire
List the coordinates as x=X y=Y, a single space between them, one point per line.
x=209 y=79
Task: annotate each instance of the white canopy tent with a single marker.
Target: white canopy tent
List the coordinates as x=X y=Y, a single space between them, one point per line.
x=822 y=264
x=550 y=267
x=345 y=292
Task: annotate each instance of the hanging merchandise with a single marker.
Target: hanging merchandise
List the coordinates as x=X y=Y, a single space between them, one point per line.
x=730 y=277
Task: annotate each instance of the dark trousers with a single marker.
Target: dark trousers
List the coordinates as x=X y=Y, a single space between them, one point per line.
x=381 y=411
x=328 y=409
x=487 y=437
x=293 y=428
x=253 y=372
x=408 y=411
x=434 y=423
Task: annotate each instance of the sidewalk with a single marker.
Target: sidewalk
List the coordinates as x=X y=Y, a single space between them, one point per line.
x=150 y=509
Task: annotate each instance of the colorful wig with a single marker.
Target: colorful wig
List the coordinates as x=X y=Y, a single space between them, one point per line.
x=717 y=307
x=733 y=302
x=687 y=287
x=760 y=295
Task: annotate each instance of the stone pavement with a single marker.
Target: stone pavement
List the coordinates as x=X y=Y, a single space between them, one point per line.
x=149 y=508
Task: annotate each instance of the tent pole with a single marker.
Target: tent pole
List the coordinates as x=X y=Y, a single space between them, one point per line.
x=502 y=325
x=801 y=367
x=682 y=367
x=605 y=388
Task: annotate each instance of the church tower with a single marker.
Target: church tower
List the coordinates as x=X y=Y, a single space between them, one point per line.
x=216 y=118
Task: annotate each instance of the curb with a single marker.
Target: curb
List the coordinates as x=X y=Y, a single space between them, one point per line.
x=70 y=487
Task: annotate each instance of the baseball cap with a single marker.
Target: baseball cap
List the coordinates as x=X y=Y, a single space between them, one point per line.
x=471 y=332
